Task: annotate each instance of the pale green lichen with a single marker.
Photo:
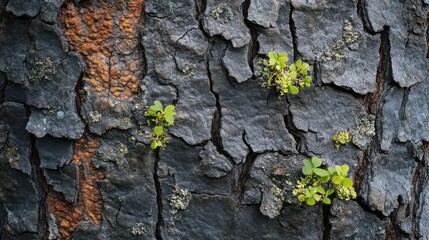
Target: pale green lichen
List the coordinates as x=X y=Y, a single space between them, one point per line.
x=278 y=197
x=126 y=122
x=337 y=51
x=94 y=117
x=179 y=200
x=346 y=193
x=138 y=229
x=12 y=154
x=350 y=36
x=188 y=71
x=219 y=14
x=42 y=69
x=115 y=154
x=364 y=131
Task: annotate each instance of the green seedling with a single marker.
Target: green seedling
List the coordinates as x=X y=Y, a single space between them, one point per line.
x=286 y=79
x=162 y=118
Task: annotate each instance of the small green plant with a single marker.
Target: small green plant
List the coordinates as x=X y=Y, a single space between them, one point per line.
x=287 y=79
x=162 y=118
x=341 y=138
x=319 y=184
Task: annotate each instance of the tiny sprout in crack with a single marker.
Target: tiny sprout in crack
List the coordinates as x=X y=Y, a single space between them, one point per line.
x=163 y=118
x=319 y=184
x=287 y=79
x=179 y=200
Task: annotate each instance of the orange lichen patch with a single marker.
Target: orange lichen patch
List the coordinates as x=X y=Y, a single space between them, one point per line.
x=106 y=34
x=88 y=204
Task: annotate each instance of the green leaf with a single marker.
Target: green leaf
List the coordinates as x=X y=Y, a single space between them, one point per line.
x=338 y=169
x=329 y=192
x=310 y=201
x=337 y=179
x=343 y=141
x=324 y=179
x=307 y=79
x=302 y=198
x=344 y=169
x=169 y=114
x=292 y=67
x=347 y=182
x=283 y=57
x=298 y=63
x=308 y=193
x=157 y=106
x=307 y=170
x=316 y=161
x=273 y=58
x=293 y=90
x=305 y=66
x=327 y=201
x=320 y=172
x=303 y=71
x=317 y=197
x=153 y=145
x=151 y=112
x=292 y=74
x=158 y=130
x=307 y=162
x=320 y=190
x=331 y=170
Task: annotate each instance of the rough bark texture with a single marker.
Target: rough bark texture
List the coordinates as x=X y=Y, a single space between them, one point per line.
x=77 y=76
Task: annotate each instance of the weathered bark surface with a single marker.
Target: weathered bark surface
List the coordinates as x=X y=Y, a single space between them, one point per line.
x=77 y=76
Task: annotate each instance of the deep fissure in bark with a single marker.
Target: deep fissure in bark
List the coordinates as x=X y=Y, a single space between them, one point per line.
x=158 y=189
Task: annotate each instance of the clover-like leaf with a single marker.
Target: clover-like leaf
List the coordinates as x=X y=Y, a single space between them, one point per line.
x=282 y=59
x=305 y=66
x=324 y=179
x=327 y=201
x=329 y=192
x=307 y=170
x=158 y=130
x=344 y=170
x=337 y=179
x=320 y=172
x=169 y=114
x=338 y=170
x=153 y=145
x=310 y=201
x=302 y=198
x=316 y=162
x=320 y=190
x=307 y=162
x=293 y=74
x=293 y=90
x=273 y=58
x=157 y=106
x=347 y=182
x=317 y=197
x=298 y=63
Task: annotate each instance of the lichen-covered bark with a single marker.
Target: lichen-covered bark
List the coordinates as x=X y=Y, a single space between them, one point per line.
x=77 y=75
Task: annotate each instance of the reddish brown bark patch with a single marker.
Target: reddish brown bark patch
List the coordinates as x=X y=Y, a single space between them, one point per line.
x=88 y=204
x=107 y=36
